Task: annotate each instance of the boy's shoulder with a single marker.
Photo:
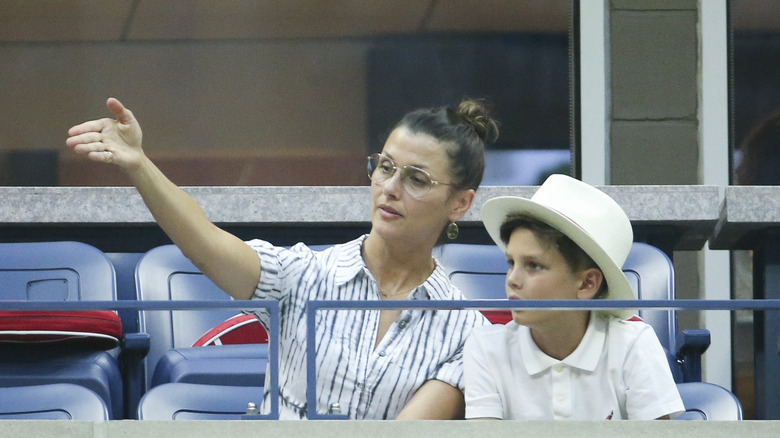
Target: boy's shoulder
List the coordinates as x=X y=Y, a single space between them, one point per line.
x=496 y=331
x=628 y=330
x=635 y=324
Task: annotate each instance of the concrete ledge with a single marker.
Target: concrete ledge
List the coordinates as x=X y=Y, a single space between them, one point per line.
x=746 y=211
x=389 y=429
x=690 y=211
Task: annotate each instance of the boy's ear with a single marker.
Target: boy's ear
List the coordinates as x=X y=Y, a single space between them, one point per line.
x=591 y=280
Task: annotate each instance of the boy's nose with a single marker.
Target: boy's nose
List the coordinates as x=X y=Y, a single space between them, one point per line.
x=513 y=280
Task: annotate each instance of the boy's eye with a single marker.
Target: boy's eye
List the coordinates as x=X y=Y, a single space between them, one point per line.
x=532 y=266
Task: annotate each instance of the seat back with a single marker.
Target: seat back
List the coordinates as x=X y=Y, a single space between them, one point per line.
x=59 y=271
x=55 y=271
x=164 y=274
x=55 y=401
x=189 y=401
x=479 y=271
x=651 y=275
x=707 y=401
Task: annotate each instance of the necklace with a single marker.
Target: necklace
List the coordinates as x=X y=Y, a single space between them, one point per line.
x=386 y=295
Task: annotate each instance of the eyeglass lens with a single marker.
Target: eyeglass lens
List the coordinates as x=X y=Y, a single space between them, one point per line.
x=414 y=180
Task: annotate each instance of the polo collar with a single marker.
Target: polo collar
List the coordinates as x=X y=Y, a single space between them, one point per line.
x=585 y=357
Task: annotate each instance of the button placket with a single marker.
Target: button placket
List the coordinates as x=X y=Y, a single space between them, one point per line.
x=561 y=391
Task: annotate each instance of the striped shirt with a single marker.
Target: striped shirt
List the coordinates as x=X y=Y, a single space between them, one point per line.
x=366 y=382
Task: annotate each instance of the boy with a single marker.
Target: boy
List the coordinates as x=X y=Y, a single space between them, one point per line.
x=568 y=241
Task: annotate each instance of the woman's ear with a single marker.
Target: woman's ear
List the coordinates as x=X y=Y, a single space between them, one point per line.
x=591 y=280
x=462 y=201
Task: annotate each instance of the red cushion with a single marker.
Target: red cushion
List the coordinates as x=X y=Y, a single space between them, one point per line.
x=246 y=329
x=238 y=329
x=96 y=328
x=498 y=316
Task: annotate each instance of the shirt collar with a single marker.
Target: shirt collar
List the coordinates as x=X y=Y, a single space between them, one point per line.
x=585 y=357
x=350 y=258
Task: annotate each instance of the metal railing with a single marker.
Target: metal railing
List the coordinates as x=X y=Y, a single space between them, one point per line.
x=315 y=306
x=271 y=305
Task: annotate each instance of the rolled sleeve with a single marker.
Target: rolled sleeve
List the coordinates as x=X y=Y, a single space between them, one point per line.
x=270 y=285
x=651 y=392
x=482 y=397
x=451 y=371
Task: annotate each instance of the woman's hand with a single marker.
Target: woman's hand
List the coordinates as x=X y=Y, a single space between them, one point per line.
x=114 y=141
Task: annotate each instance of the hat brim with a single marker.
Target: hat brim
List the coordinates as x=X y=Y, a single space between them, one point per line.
x=496 y=210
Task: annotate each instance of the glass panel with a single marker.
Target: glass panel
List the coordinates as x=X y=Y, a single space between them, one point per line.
x=755 y=63
x=755 y=151
x=264 y=93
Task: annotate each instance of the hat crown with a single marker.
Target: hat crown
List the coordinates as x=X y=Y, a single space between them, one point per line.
x=585 y=214
x=592 y=210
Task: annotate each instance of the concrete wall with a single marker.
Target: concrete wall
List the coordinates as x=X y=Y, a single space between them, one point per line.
x=173 y=87
x=654 y=125
x=388 y=429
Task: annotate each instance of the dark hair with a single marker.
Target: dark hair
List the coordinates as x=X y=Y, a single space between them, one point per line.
x=761 y=153
x=466 y=130
x=576 y=258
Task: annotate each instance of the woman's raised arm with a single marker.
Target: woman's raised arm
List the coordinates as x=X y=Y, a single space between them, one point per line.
x=221 y=256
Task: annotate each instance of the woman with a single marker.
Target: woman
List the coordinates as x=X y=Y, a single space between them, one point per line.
x=370 y=364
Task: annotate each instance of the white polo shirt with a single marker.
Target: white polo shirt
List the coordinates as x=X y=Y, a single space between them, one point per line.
x=363 y=381
x=618 y=371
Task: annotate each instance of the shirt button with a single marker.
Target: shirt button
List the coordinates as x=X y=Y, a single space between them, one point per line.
x=361 y=386
x=561 y=399
x=402 y=324
x=382 y=353
x=558 y=368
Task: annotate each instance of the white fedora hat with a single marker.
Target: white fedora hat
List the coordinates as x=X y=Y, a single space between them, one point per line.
x=588 y=216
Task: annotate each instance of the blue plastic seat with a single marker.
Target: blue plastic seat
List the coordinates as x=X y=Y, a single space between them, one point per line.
x=187 y=401
x=237 y=365
x=480 y=271
x=59 y=271
x=55 y=401
x=707 y=401
x=163 y=273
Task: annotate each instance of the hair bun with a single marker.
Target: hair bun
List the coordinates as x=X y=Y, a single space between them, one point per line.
x=477 y=114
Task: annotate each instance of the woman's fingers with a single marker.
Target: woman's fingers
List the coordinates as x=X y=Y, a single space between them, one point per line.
x=87 y=127
x=109 y=140
x=123 y=115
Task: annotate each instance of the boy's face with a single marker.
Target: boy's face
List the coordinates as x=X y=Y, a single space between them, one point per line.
x=538 y=271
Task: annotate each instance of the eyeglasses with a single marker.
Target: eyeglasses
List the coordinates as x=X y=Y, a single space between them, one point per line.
x=414 y=180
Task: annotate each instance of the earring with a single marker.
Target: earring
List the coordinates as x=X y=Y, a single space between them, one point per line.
x=452 y=231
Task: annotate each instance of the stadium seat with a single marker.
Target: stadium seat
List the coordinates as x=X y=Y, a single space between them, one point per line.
x=187 y=401
x=55 y=401
x=54 y=346
x=480 y=270
x=185 y=344
x=164 y=274
x=238 y=365
x=707 y=401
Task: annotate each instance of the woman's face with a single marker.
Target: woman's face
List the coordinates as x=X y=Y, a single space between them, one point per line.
x=397 y=214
